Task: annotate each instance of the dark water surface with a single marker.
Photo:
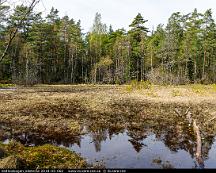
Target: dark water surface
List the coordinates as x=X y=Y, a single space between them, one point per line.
x=119 y=151
x=125 y=142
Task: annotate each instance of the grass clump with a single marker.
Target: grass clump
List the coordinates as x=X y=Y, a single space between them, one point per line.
x=46 y=156
x=152 y=93
x=176 y=93
x=138 y=85
x=213 y=87
x=6 y=85
x=198 y=88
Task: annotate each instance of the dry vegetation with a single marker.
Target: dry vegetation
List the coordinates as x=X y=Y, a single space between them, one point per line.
x=55 y=109
x=64 y=112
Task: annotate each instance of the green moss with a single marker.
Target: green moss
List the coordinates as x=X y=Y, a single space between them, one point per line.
x=46 y=156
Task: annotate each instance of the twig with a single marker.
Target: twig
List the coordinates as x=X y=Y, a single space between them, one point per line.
x=207 y=122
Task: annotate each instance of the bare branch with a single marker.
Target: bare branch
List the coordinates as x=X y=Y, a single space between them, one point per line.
x=177 y=112
x=210 y=120
x=14 y=32
x=2 y=2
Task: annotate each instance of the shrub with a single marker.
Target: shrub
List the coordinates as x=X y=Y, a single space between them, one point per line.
x=198 y=88
x=136 y=85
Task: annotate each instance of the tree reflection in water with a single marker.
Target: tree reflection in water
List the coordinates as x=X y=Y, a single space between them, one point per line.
x=138 y=121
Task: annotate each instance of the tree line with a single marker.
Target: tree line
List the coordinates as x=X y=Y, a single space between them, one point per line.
x=53 y=49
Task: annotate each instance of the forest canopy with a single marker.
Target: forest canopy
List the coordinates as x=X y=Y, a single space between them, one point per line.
x=53 y=49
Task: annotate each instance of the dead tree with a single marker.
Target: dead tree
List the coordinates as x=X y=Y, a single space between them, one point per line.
x=188 y=117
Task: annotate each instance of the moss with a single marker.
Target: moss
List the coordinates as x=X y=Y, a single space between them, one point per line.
x=46 y=156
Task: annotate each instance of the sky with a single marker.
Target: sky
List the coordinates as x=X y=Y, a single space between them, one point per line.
x=120 y=13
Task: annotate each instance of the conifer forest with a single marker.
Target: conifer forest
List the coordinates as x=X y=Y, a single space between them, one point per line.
x=54 y=49
x=135 y=97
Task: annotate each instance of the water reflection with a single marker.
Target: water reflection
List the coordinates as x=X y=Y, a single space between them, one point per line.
x=118 y=152
x=128 y=141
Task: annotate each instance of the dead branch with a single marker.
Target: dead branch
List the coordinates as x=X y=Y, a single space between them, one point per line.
x=187 y=111
x=188 y=117
x=199 y=144
x=197 y=133
x=15 y=30
x=210 y=120
x=177 y=112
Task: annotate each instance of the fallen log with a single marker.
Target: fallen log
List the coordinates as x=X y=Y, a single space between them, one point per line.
x=196 y=131
x=199 y=145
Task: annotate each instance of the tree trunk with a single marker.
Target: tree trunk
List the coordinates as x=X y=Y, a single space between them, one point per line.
x=27 y=69
x=204 y=61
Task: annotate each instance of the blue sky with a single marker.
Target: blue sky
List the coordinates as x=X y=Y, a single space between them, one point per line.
x=120 y=13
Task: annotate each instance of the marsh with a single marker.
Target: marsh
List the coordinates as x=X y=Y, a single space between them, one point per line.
x=112 y=126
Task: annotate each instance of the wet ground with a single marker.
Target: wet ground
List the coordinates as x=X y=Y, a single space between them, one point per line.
x=146 y=148
x=115 y=132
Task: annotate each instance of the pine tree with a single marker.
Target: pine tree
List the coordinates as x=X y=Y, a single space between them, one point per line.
x=138 y=34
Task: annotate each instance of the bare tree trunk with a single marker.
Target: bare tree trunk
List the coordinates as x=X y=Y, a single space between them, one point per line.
x=151 y=60
x=95 y=75
x=27 y=69
x=142 y=68
x=82 y=69
x=72 y=68
x=195 y=69
x=204 y=61
x=137 y=71
x=65 y=57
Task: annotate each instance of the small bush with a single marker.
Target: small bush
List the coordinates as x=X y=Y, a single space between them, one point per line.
x=136 y=85
x=198 y=88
